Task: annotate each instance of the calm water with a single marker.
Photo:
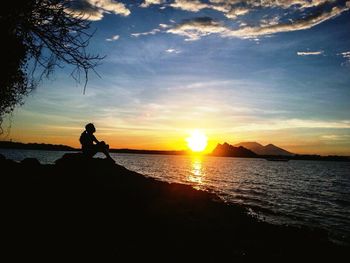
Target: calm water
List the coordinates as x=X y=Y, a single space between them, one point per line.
x=312 y=193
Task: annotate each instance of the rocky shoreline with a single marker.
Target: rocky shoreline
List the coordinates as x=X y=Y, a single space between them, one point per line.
x=79 y=209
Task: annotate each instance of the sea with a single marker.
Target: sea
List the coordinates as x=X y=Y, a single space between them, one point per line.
x=298 y=192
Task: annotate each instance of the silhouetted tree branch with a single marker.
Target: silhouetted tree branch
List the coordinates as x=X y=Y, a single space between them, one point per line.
x=37 y=36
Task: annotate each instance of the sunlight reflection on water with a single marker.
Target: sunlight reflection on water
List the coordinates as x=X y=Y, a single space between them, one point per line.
x=297 y=192
x=197 y=174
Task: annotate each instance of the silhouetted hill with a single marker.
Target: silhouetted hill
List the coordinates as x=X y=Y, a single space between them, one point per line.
x=231 y=151
x=269 y=149
x=35 y=146
x=253 y=146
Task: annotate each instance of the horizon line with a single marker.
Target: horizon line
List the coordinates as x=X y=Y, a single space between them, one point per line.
x=184 y=151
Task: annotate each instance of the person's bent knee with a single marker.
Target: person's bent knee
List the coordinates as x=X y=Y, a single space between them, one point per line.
x=104 y=144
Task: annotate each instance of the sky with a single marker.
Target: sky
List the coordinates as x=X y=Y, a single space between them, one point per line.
x=267 y=71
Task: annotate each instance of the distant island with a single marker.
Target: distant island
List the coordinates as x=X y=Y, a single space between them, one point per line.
x=268 y=149
x=35 y=146
x=241 y=150
x=227 y=150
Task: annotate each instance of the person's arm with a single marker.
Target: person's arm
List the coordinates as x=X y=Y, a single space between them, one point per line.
x=94 y=139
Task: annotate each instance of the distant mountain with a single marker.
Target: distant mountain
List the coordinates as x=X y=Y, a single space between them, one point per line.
x=232 y=151
x=269 y=149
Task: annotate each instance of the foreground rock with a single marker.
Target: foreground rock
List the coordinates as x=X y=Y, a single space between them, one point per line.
x=82 y=209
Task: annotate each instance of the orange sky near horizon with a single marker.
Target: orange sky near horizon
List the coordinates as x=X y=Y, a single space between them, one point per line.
x=172 y=140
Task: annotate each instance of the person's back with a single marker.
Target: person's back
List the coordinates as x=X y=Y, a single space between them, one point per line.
x=86 y=140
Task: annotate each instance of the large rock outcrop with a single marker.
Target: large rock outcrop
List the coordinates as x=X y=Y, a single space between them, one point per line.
x=91 y=209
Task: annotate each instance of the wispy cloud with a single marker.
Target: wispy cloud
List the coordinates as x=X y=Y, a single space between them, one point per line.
x=302 y=4
x=346 y=55
x=164 y=26
x=161 y=28
x=196 y=28
x=113 y=38
x=172 y=50
x=293 y=124
x=152 y=32
x=235 y=12
x=302 y=24
x=229 y=8
x=300 y=16
x=309 y=53
x=95 y=10
x=336 y=137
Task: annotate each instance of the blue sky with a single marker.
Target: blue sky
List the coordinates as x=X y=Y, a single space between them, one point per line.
x=267 y=71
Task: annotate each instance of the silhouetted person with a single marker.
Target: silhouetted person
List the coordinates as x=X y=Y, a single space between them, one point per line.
x=90 y=145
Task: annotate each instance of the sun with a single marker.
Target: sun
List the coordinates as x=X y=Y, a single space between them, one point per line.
x=197 y=141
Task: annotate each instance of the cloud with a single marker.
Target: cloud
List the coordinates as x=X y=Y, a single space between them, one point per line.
x=113 y=38
x=189 y=5
x=300 y=14
x=152 y=32
x=203 y=26
x=172 y=50
x=221 y=6
x=234 y=8
x=95 y=10
x=346 y=55
x=285 y=4
x=164 y=26
x=302 y=24
x=309 y=53
x=336 y=137
x=196 y=28
x=235 y=12
x=294 y=124
x=147 y=3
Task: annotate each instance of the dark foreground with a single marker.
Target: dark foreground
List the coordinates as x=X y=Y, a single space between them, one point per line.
x=94 y=210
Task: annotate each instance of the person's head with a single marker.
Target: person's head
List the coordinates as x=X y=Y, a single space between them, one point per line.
x=90 y=128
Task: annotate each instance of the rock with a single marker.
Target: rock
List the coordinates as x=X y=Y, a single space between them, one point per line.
x=89 y=208
x=5 y=162
x=30 y=162
x=70 y=158
x=80 y=160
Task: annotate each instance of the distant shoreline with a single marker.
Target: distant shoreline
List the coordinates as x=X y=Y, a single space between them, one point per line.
x=55 y=147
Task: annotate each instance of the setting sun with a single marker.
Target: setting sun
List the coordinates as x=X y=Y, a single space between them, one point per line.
x=197 y=141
